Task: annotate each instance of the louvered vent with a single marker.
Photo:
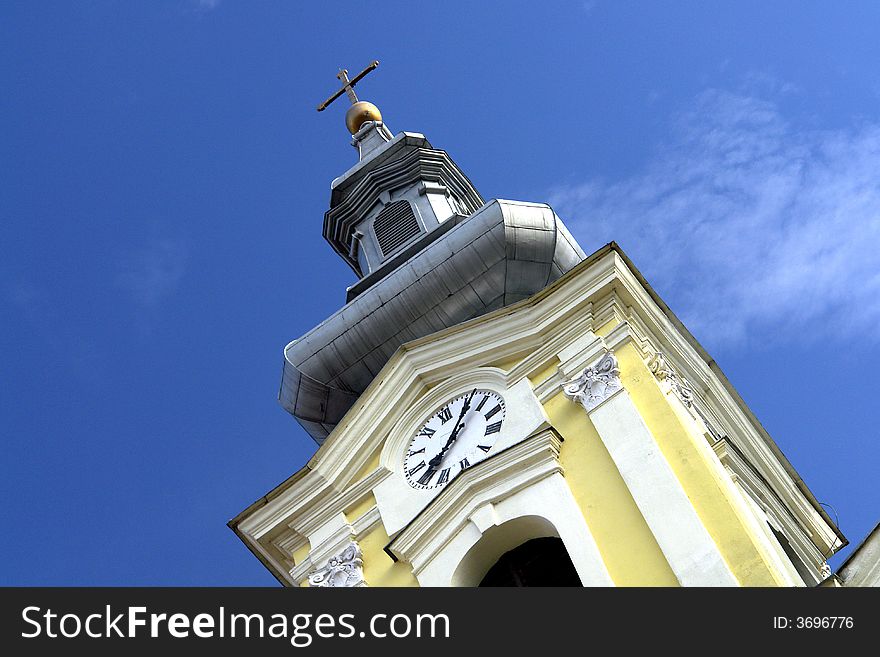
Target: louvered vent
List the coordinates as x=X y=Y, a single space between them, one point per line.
x=395 y=225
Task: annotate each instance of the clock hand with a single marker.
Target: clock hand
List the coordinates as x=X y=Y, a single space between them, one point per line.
x=434 y=462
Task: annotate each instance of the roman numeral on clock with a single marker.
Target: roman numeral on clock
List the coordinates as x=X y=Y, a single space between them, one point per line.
x=416 y=468
x=485 y=448
x=464 y=463
x=444 y=477
x=493 y=411
x=493 y=428
x=445 y=414
x=482 y=403
x=426 y=431
x=417 y=451
x=425 y=478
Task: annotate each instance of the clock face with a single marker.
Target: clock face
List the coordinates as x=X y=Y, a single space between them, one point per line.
x=460 y=433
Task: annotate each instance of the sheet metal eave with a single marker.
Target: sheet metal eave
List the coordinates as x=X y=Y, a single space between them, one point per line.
x=501 y=254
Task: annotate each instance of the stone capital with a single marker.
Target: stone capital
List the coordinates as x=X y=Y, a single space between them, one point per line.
x=345 y=569
x=597 y=383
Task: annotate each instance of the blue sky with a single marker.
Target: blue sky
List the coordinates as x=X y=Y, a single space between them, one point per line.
x=165 y=174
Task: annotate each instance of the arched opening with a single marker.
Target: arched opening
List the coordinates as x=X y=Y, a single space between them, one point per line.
x=538 y=562
x=528 y=545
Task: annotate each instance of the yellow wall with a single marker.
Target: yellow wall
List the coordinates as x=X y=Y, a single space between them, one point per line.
x=706 y=486
x=606 y=328
x=625 y=542
x=379 y=568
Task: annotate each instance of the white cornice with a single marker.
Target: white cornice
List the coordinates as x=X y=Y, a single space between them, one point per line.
x=288 y=542
x=311 y=502
x=773 y=505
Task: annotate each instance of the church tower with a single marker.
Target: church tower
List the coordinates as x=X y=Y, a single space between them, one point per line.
x=494 y=406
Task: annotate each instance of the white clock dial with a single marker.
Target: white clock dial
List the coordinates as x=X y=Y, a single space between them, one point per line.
x=459 y=434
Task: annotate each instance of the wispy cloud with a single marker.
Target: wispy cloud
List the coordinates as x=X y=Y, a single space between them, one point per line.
x=747 y=224
x=151 y=274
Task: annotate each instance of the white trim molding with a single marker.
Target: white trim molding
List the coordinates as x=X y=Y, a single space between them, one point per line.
x=672 y=519
x=523 y=485
x=771 y=510
x=345 y=569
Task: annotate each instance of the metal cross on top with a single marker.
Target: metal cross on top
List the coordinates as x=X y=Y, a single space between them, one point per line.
x=348 y=85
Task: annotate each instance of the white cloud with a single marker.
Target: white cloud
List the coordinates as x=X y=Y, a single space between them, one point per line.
x=747 y=225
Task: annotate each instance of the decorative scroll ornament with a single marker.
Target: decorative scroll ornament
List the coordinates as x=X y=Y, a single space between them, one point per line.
x=668 y=376
x=346 y=569
x=681 y=387
x=596 y=384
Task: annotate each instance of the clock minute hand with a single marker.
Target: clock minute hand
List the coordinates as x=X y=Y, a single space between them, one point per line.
x=434 y=462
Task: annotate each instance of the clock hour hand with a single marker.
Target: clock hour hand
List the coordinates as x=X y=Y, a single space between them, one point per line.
x=434 y=462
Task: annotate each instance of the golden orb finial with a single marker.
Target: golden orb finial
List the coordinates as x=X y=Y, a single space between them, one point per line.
x=360 y=113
